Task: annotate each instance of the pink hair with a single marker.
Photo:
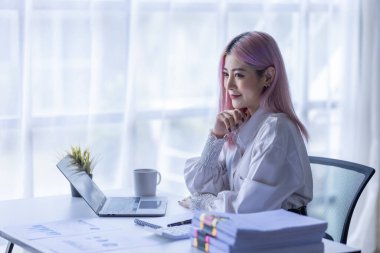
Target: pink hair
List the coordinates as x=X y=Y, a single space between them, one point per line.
x=260 y=50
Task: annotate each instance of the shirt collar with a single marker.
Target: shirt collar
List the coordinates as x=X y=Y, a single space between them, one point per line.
x=247 y=132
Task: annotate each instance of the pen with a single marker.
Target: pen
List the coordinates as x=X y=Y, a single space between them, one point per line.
x=179 y=223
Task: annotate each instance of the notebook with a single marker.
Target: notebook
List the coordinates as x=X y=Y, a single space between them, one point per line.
x=110 y=206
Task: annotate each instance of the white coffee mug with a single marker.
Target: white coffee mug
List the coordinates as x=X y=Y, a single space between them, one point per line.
x=146 y=181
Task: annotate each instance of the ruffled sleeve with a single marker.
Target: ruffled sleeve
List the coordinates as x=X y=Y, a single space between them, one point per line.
x=207 y=173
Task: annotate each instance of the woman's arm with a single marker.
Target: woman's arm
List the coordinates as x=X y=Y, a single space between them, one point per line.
x=208 y=174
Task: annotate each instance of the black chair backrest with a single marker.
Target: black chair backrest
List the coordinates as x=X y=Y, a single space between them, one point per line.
x=337 y=186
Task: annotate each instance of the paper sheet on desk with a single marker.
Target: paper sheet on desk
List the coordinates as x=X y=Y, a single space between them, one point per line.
x=97 y=242
x=78 y=236
x=60 y=228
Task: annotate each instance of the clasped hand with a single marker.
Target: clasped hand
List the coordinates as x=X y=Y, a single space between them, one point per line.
x=229 y=120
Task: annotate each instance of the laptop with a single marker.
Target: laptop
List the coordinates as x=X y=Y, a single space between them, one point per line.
x=110 y=206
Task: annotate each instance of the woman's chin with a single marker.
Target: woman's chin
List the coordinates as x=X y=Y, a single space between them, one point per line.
x=237 y=106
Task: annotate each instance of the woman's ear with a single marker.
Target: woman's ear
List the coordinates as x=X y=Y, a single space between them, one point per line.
x=269 y=76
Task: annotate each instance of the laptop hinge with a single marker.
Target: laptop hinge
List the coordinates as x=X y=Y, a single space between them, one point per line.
x=102 y=204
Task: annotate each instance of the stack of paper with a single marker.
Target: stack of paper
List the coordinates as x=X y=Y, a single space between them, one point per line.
x=264 y=232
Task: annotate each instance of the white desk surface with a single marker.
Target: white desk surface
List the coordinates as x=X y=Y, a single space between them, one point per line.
x=46 y=209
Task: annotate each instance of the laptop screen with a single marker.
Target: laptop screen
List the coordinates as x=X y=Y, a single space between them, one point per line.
x=82 y=183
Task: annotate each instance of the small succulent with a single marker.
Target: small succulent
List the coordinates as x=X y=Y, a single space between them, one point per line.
x=83 y=159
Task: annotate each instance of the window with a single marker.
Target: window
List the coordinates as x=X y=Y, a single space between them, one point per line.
x=136 y=81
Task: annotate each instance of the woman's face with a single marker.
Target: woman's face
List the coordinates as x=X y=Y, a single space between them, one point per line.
x=242 y=83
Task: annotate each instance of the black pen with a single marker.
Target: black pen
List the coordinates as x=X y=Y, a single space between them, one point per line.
x=179 y=223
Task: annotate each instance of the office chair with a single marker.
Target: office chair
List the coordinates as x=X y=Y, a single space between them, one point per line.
x=337 y=186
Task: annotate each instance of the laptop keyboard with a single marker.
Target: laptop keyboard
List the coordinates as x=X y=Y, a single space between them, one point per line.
x=121 y=205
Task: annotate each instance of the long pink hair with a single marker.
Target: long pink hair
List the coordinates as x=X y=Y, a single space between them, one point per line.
x=260 y=50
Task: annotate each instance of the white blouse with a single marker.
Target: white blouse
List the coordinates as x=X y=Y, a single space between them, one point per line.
x=265 y=167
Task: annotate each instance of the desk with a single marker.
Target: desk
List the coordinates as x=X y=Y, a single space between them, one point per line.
x=41 y=210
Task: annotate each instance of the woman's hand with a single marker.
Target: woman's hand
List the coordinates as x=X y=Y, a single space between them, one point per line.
x=229 y=120
x=186 y=202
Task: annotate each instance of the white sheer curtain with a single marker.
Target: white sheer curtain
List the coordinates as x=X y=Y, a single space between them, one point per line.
x=360 y=111
x=136 y=82
x=128 y=79
x=63 y=80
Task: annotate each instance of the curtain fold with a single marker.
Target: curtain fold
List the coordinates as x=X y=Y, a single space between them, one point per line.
x=360 y=111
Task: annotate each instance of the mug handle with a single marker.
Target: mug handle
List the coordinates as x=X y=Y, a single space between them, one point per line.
x=159 y=178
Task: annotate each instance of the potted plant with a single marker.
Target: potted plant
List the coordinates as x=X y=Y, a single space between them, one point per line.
x=82 y=161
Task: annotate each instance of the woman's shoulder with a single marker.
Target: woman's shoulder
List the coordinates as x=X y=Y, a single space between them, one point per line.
x=278 y=120
x=278 y=124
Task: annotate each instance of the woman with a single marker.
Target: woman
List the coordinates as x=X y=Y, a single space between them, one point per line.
x=255 y=157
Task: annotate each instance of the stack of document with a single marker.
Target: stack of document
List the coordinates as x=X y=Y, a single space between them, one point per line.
x=265 y=232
